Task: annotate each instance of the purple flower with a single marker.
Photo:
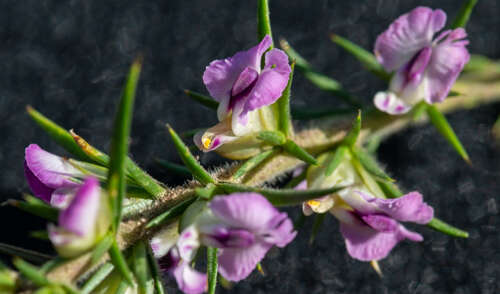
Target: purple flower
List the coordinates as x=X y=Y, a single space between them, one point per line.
x=175 y=254
x=244 y=226
x=426 y=67
x=241 y=87
x=248 y=227
x=83 y=222
x=49 y=176
x=370 y=225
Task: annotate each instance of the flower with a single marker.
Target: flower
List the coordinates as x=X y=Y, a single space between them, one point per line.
x=49 y=176
x=426 y=68
x=244 y=91
x=167 y=247
x=244 y=226
x=368 y=223
x=83 y=222
x=247 y=227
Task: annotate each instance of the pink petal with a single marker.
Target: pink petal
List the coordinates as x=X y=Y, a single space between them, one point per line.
x=390 y=103
x=214 y=137
x=189 y=280
x=220 y=75
x=46 y=169
x=407 y=35
x=448 y=60
x=244 y=210
x=271 y=83
x=366 y=244
x=81 y=215
x=408 y=208
x=236 y=264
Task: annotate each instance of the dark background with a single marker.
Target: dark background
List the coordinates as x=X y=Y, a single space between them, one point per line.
x=68 y=59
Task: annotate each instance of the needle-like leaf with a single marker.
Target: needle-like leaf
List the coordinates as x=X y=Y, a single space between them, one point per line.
x=171 y=213
x=202 y=99
x=439 y=121
x=191 y=163
x=253 y=162
x=295 y=150
x=31 y=272
x=96 y=278
x=463 y=14
x=119 y=143
x=212 y=269
x=120 y=263
x=365 y=57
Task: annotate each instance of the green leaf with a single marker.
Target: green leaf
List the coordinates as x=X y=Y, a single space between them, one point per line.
x=445 y=228
x=253 y=162
x=281 y=197
x=337 y=158
x=133 y=171
x=173 y=167
x=351 y=137
x=52 y=264
x=272 y=137
x=96 y=278
x=306 y=114
x=155 y=272
x=171 y=213
x=284 y=118
x=57 y=133
x=212 y=269
x=123 y=287
x=202 y=99
x=365 y=57
x=318 y=222
x=141 y=267
x=300 y=62
x=119 y=143
x=36 y=207
x=263 y=21
x=496 y=130
x=31 y=272
x=390 y=189
x=27 y=254
x=101 y=248
x=40 y=235
x=295 y=150
x=370 y=164
x=191 y=163
x=463 y=14
x=120 y=263
x=442 y=125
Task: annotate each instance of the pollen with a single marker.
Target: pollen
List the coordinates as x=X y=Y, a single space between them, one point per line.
x=206 y=142
x=313 y=203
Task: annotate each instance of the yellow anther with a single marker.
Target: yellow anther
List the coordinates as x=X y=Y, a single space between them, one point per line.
x=206 y=142
x=313 y=203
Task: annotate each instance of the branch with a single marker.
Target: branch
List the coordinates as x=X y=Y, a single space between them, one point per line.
x=476 y=90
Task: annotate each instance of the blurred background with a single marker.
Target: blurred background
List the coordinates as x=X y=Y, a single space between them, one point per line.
x=68 y=59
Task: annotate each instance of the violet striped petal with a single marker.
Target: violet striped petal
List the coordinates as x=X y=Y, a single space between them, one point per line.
x=408 y=208
x=448 y=60
x=46 y=172
x=407 y=35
